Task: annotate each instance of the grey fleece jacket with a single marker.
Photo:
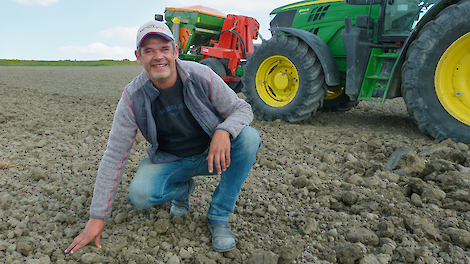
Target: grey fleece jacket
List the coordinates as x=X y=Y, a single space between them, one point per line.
x=209 y=99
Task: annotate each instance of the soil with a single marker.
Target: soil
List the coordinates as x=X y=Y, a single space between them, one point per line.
x=363 y=186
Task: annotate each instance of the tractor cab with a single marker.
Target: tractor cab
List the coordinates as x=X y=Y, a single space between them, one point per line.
x=397 y=17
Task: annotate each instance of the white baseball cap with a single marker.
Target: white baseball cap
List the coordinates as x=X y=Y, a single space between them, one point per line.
x=153 y=27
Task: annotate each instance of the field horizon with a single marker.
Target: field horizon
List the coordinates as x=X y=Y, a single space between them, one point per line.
x=125 y=62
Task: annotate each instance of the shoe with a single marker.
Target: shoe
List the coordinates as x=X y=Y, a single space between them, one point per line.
x=222 y=237
x=182 y=206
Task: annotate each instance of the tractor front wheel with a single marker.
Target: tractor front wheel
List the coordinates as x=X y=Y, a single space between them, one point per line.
x=436 y=86
x=284 y=80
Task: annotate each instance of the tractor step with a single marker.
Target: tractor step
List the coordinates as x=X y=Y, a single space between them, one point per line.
x=377 y=77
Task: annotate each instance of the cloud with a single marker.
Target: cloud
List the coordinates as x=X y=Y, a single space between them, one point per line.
x=126 y=33
x=98 y=50
x=37 y=2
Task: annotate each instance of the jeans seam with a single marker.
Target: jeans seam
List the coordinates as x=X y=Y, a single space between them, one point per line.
x=168 y=177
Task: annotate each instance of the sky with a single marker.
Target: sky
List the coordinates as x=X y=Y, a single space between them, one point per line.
x=97 y=29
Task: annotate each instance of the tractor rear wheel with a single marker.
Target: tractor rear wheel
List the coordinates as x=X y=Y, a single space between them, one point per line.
x=436 y=86
x=284 y=80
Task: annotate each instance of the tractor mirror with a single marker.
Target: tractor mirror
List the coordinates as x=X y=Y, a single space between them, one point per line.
x=363 y=2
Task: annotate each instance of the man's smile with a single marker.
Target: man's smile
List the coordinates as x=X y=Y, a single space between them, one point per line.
x=160 y=65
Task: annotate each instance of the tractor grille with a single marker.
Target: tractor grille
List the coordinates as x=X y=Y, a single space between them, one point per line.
x=314 y=31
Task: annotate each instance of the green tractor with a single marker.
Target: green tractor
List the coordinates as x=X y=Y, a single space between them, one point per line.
x=331 y=54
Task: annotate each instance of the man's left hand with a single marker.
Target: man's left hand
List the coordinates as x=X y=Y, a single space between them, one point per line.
x=219 y=151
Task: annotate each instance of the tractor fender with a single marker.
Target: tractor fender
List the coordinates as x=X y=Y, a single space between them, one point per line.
x=322 y=51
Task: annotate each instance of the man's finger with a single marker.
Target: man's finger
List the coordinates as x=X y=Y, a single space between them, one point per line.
x=97 y=241
x=217 y=164
x=70 y=248
x=74 y=243
x=227 y=159
x=223 y=162
x=75 y=246
x=210 y=162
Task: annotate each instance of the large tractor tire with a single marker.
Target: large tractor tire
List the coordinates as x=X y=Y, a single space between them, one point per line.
x=220 y=67
x=435 y=76
x=337 y=100
x=236 y=86
x=215 y=65
x=284 y=80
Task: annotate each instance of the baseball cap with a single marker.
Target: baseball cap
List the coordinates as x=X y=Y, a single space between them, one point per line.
x=153 y=27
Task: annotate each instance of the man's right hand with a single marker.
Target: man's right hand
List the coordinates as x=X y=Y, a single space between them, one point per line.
x=93 y=230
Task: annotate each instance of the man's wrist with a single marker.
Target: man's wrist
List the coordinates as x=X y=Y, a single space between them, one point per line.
x=228 y=133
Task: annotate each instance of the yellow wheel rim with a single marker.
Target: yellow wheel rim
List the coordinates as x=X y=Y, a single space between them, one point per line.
x=452 y=79
x=334 y=92
x=277 y=81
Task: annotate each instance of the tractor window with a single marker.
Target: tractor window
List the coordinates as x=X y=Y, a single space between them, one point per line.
x=400 y=17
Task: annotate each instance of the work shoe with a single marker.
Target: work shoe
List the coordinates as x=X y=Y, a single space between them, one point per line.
x=182 y=206
x=222 y=237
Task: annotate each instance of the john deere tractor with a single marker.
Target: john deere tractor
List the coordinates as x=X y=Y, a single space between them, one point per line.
x=331 y=54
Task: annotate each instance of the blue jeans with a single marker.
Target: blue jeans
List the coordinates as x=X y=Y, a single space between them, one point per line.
x=159 y=183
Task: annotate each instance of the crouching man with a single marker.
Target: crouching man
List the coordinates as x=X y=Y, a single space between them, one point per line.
x=195 y=124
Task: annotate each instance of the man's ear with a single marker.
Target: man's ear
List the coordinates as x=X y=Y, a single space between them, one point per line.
x=136 y=52
x=177 y=51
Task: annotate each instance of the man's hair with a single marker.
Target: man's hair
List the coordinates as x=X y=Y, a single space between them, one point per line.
x=173 y=44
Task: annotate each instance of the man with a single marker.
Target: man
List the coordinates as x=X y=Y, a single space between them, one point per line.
x=194 y=123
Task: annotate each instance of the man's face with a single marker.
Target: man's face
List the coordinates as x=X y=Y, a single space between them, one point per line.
x=158 y=56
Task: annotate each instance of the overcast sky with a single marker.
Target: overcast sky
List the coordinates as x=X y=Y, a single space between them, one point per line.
x=96 y=29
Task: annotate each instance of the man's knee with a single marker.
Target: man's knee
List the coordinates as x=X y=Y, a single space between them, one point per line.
x=250 y=138
x=138 y=197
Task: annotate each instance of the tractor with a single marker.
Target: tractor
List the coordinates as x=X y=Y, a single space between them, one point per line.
x=329 y=55
x=210 y=37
